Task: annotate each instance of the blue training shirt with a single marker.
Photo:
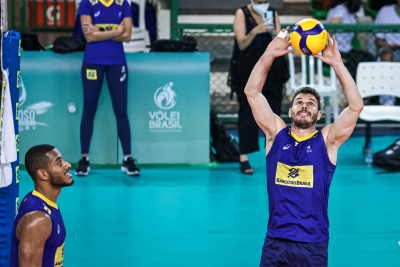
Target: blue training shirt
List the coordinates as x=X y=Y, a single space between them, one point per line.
x=299 y=174
x=105 y=16
x=53 y=254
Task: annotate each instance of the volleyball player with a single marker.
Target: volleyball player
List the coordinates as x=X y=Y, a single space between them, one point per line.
x=38 y=233
x=300 y=162
x=105 y=24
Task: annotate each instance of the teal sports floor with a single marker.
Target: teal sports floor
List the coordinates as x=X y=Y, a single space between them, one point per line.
x=215 y=216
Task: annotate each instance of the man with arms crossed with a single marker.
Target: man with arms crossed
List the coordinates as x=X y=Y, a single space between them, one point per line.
x=38 y=234
x=300 y=162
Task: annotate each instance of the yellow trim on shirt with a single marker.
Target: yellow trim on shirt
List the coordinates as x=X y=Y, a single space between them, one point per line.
x=107 y=26
x=299 y=139
x=107 y=4
x=45 y=199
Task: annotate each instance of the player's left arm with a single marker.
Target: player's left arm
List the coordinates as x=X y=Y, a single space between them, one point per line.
x=126 y=35
x=338 y=132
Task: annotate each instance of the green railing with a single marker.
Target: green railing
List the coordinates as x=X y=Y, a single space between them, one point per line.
x=178 y=29
x=42 y=14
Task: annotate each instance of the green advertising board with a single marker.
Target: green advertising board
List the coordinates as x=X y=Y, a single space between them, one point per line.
x=168 y=108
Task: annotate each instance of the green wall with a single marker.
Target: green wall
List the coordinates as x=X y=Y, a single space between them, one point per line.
x=51 y=106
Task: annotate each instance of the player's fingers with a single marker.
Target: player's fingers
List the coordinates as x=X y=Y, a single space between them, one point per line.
x=318 y=56
x=334 y=40
x=329 y=37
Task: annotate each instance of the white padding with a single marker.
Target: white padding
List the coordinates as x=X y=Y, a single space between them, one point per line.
x=283 y=34
x=380 y=113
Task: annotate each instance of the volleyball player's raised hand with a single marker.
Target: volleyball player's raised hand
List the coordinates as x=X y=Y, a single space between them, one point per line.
x=331 y=54
x=279 y=46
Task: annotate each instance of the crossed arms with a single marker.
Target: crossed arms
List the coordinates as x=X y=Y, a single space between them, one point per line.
x=93 y=34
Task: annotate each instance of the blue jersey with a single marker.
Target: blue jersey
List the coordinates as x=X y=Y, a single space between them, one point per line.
x=53 y=254
x=299 y=174
x=105 y=16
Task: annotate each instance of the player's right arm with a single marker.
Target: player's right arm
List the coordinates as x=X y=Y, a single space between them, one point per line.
x=269 y=122
x=32 y=231
x=92 y=33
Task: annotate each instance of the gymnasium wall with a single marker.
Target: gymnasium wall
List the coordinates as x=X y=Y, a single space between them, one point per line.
x=51 y=102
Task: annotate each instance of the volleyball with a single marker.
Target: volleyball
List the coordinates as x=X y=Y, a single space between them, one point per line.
x=308 y=37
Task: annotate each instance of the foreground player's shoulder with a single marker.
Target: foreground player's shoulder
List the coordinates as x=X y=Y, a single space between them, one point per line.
x=35 y=223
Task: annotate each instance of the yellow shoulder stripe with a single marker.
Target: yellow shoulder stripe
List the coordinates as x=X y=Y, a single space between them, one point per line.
x=119 y=2
x=299 y=139
x=93 y=2
x=45 y=199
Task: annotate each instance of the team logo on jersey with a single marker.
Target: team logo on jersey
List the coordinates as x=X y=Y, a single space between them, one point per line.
x=295 y=176
x=107 y=27
x=119 y=2
x=293 y=173
x=286 y=147
x=97 y=13
x=309 y=149
x=91 y=74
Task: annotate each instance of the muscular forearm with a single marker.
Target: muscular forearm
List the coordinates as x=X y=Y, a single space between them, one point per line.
x=350 y=90
x=102 y=36
x=259 y=75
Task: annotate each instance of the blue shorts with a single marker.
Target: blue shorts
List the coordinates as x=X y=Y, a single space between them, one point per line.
x=288 y=253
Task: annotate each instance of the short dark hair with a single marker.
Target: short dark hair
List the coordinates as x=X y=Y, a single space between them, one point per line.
x=36 y=158
x=352 y=5
x=308 y=90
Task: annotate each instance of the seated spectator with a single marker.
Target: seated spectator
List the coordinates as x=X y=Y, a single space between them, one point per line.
x=343 y=11
x=388 y=43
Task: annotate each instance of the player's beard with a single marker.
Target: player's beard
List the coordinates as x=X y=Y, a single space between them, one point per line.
x=304 y=124
x=58 y=180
